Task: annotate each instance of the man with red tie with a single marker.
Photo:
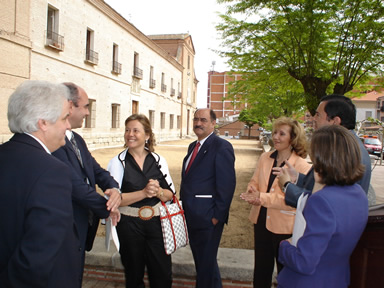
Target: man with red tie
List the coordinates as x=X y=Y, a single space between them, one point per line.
x=207 y=187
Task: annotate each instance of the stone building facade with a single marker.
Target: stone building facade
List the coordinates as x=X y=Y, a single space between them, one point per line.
x=90 y=44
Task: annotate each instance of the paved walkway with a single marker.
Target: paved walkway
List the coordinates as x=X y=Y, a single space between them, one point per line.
x=377 y=181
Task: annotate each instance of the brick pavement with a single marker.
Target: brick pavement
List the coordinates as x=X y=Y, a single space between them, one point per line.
x=106 y=277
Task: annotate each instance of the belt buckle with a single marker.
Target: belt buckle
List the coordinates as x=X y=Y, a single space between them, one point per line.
x=146 y=213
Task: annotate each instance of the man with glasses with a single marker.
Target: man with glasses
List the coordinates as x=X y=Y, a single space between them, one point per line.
x=207 y=187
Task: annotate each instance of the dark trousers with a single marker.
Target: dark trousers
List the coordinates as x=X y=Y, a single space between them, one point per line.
x=204 y=245
x=141 y=244
x=266 y=252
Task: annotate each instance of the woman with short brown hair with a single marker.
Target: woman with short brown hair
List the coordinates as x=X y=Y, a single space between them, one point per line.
x=336 y=157
x=335 y=213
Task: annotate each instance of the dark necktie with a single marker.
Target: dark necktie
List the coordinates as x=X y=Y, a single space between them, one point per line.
x=194 y=153
x=76 y=148
x=78 y=154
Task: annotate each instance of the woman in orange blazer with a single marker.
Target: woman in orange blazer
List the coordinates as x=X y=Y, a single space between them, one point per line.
x=274 y=219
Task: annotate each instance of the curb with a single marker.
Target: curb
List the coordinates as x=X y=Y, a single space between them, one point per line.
x=235 y=264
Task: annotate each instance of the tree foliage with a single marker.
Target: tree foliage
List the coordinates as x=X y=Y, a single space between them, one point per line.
x=268 y=96
x=249 y=118
x=328 y=46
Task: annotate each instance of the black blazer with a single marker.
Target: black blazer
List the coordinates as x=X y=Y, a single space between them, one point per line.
x=39 y=245
x=88 y=205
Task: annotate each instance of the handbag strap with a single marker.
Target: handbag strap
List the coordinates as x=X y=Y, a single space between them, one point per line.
x=183 y=215
x=170 y=221
x=169 y=216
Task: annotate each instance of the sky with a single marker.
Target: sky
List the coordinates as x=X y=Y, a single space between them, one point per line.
x=198 y=18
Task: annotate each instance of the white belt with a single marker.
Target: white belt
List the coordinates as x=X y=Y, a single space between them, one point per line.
x=145 y=212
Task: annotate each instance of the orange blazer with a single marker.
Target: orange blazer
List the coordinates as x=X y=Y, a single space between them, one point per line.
x=280 y=217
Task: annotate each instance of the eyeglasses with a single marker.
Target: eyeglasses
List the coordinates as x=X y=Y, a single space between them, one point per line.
x=203 y=120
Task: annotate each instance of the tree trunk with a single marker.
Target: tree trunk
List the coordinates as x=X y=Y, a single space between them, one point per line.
x=314 y=88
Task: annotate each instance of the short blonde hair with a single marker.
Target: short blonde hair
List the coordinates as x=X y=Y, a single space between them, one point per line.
x=298 y=138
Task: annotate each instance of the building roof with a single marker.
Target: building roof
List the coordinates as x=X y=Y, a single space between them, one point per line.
x=369 y=97
x=181 y=36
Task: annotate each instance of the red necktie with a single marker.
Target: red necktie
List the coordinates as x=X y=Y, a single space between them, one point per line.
x=194 y=153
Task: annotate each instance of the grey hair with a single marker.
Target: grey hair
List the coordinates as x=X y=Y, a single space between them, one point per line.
x=34 y=100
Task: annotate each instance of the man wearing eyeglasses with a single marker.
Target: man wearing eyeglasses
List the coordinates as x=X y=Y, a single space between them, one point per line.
x=207 y=187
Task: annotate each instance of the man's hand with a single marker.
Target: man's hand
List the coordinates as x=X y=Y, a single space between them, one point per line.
x=115 y=217
x=114 y=199
x=284 y=175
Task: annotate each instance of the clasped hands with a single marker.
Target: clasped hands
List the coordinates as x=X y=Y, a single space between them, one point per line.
x=152 y=189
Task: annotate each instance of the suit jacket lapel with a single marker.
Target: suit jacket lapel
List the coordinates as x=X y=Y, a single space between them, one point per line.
x=190 y=149
x=85 y=167
x=202 y=152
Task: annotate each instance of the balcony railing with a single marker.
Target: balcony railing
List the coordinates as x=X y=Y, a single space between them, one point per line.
x=54 y=40
x=116 y=67
x=91 y=56
x=173 y=92
x=138 y=73
x=163 y=88
x=152 y=83
x=179 y=95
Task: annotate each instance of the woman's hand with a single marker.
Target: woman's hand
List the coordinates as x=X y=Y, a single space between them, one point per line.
x=152 y=188
x=252 y=196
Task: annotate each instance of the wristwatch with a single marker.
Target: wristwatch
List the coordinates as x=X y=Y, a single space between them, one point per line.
x=285 y=186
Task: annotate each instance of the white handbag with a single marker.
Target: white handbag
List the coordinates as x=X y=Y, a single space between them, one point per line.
x=174 y=226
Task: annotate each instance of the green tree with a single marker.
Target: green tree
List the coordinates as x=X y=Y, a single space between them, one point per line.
x=250 y=119
x=268 y=95
x=328 y=46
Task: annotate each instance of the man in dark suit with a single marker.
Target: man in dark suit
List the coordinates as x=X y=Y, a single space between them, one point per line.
x=207 y=187
x=332 y=110
x=39 y=245
x=88 y=205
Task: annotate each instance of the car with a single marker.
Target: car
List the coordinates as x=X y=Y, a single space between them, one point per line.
x=372 y=144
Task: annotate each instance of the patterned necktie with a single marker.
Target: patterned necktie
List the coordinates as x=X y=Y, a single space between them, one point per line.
x=194 y=153
x=76 y=148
